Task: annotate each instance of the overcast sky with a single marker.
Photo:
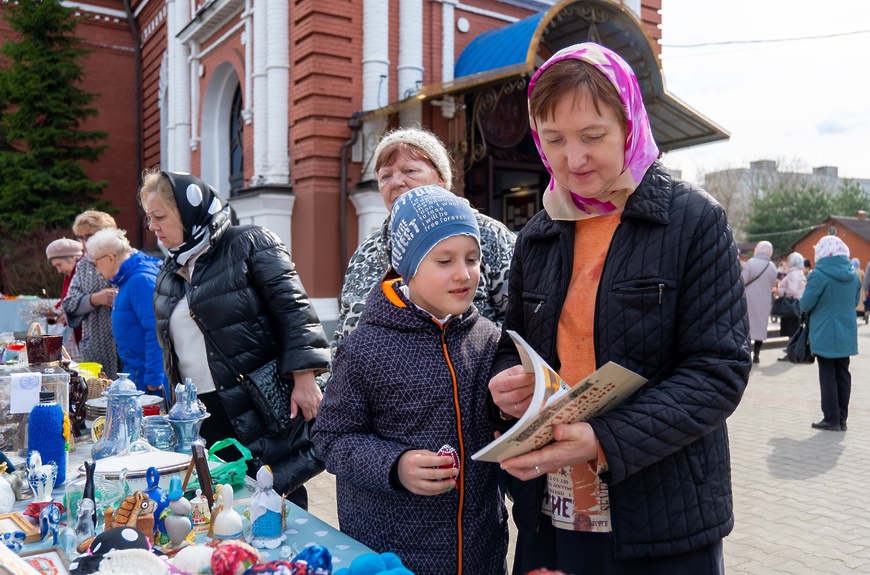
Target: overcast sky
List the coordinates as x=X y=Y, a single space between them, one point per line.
x=804 y=103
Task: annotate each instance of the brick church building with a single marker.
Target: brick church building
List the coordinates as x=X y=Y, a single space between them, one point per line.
x=279 y=103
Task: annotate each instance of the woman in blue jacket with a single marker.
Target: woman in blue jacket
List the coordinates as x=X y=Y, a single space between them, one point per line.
x=134 y=274
x=833 y=290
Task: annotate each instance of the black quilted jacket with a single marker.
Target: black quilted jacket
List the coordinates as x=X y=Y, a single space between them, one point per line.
x=669 y=306
x=246 y=293
x=401 y=382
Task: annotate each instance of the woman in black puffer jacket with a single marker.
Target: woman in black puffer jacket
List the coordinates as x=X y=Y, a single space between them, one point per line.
x=626 y=264
x=235 y=288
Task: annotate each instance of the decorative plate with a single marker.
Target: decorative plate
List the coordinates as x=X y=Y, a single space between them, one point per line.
x=98 y=427
x=144 y=400
x=137 y=458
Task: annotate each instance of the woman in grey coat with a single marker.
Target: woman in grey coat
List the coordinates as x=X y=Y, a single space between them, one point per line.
x=759 y=280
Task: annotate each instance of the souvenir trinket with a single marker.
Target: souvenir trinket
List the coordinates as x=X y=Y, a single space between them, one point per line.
x=267 y=513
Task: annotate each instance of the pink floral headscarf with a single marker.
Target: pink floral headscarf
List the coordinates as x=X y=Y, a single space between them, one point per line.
x=640 y=149
x=831 y=246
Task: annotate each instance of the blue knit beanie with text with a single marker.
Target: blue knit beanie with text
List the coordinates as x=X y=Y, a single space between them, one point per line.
x=423 y=217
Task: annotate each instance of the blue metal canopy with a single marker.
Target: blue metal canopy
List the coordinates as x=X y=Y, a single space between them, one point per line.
x=500 y=49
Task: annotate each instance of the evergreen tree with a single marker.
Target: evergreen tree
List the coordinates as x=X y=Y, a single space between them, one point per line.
x=42 y=108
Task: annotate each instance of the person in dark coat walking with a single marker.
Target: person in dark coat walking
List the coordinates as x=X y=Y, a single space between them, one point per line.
x=236 y=289
x=409 y=380
x=832 y=292
x=626 y=264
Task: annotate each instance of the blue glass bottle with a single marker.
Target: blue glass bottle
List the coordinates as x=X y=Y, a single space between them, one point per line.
x=45 y=433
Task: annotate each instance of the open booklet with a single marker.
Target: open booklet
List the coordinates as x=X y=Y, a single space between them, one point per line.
x=554 y=402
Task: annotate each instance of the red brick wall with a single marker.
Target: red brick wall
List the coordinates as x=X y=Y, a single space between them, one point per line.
x=325 y=90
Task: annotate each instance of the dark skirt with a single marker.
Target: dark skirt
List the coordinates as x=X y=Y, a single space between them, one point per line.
x=579 y=553
x=788 y=325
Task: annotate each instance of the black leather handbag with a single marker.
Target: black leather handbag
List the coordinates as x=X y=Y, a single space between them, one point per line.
x=271 y=396
x=798 y=348
x=268 y=392
x=786 y=307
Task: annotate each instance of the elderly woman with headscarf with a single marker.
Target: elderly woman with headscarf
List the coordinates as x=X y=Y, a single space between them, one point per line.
x=833 y=290
x=228 y=301
x=63 y=254
x=631 y=265
x=791 y=285
x=759 y=279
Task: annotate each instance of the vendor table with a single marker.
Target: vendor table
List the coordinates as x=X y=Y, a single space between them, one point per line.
x=303 y=528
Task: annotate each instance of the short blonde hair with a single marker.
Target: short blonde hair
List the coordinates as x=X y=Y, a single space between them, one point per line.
x=108 y=241
x=92 y=221
x=155 y=180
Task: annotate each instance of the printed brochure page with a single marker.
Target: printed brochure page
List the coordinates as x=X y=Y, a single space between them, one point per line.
x=554 y=402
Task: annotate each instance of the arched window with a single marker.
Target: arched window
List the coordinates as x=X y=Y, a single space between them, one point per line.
x=237 y=149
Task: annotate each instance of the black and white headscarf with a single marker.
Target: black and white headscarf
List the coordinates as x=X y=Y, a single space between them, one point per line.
x=203 y=215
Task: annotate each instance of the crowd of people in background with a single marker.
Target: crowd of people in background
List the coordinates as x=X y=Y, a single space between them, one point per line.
x=830 y=296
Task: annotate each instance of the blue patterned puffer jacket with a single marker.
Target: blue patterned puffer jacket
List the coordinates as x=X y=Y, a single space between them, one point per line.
x=393 y=391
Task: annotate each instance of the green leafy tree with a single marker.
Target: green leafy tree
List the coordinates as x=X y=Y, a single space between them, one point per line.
x=784 y=214
x=42 y=109
x=43 y=144
x=787 y=213
x=849 y=199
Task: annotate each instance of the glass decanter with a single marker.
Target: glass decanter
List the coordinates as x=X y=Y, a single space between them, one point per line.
x=123 y=418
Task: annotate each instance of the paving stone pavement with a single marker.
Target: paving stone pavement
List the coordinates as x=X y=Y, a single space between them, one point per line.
x=801 y=496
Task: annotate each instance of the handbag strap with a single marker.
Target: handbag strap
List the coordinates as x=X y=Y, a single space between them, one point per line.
x=211 y=342
x=746 y=285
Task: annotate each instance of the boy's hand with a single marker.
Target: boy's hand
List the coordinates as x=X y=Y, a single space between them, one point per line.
x=425 y=473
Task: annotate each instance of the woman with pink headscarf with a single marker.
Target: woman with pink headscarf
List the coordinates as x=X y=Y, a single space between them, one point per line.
x=833 y=290
x=626 y=264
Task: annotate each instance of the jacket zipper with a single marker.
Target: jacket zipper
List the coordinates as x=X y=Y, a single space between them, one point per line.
x=460 y=482
x=598 y=357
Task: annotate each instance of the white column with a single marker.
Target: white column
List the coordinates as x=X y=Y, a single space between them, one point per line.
x=194 y=95
x=371 y=212
x=248 y=41
x=177 y=17
x=448 y=52
x=278 y=82
x=376 y=75
x=270 y=210
x=410 y=68
x=448 y=49
x=261 y=97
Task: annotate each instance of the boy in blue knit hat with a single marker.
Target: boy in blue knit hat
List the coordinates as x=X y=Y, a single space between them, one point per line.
x=406 y=406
